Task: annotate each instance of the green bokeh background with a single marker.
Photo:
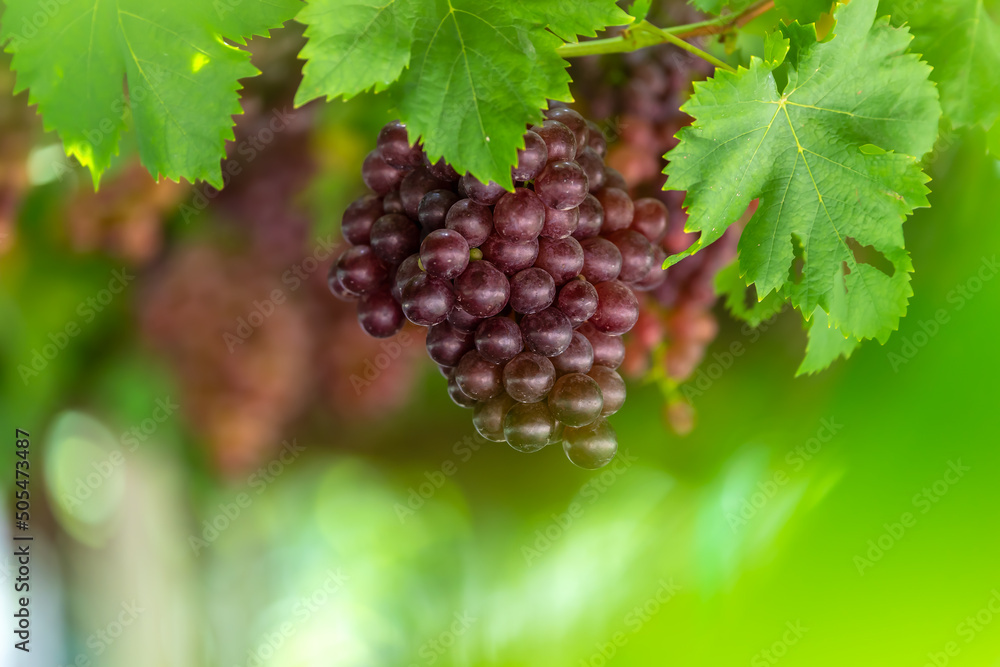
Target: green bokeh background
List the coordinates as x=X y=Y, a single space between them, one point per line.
x=524 y=560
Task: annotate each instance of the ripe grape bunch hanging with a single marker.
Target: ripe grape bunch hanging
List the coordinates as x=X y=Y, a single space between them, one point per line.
x=526 y=294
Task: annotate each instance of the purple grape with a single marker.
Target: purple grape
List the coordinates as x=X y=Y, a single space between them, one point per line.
x=442 y=170
x=462 y=320
x=528 y=427
x=612 y=388
x=650 y=218
x=393 y=203
x=394 y=147
x=444 y=253
x=415 y=185
x=578 y=301
x=359 y=216
x=596 y=140
x=576 y=123
x=531 y=290
x=488 y=416
x=498 y=339
x=379 y=175
x=519 y=215
x=617 y=308
x=427 y=300
x=408 y=269
x=459 y=397
x=482 y=290
x=591 y=219
x=559 y=140
x=434 y=207
x=379 y=314
x=614 y=179
x=471 y=220
x=637 y=254
x=608 y=350
x=528 y=377
x=446 y=345
x=336 y=287
x=359 y=270
x=602 y=261
x=577 y=358
x=560 y=224
x=486 y=194
x=593 y=166
x=562 y=185
x=478 y=378
x=657 y=274
x=509 y=256
x=394 y=237
x=530 y=159
x=576 y=399
x=618 y=209
x=548 y=332
x=561 y=258
x=592 y=446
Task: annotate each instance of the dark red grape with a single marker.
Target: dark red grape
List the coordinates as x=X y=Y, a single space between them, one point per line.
x=446 y=345
x=427 y=300
x=393 y=203
x=409 y=268
x=614 y=179
x=637 y=254
x=576 y=400
x=578 y=301
x=591 y=219
x=459 y=397
x=498 y=339
x=444 y=253
x=617 y=308
x=434 y=207
x=560 y=224
x=471 y=220
x=478 y=378
x=562 y=185
x=528 y=427
x=548 y=332
x=561 y=258
x=488 y=417
x=462 y=320
x=519 y=215
x=394 y=147
x=394 y=237
x=618 y=209
x=592 y=446
x=593 y=166
x=379 y=314
x=359 y=216
x=530 y=159
x=608 y=350
x=486 y=194
x=650 y=218
x=602 y=261
x=559 y=140
x=596 y=140
x=336 y=287
x=657 y=274
x=575 y=122
x=509 y=256
x=379 y=175
x=531 y=290
x=415 y=185
x=482 y=289
x=577 y=358
x=612 y=388
x=528 y=377
x=359 y=270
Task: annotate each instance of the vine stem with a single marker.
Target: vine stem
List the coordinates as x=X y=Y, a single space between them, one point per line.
x=645 y=34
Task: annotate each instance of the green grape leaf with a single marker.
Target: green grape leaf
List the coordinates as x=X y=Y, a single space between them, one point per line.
x=716 y=6
x=828 y=229
x=734 y=291
x=776 y=48
x=639 y=9
x=584 y=17
x=826 y=345
x=354 y=46
x=803 y=11
x=961 y=41
x=182 y=77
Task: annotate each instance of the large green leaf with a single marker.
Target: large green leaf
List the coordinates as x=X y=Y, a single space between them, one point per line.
x=833 y=158
x=182 y=77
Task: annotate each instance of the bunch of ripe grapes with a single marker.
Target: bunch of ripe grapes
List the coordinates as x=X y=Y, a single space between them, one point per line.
x=525 y=294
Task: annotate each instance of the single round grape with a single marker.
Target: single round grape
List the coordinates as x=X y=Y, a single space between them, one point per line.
x=637 y=254
x=530 y=159
x=379 y=175
x=486 y=194
x=577 y=358
x=415 y=185
x=575 y=122
x=359 y=270
x=602 y=261
x=445 y=371
x=596 y=140
x=578 y=301
x=531 y=290
x=612 y=388
x=548 y=332
x=557 y=434
x=427 y=300
x=591 y=447
x=576 y=400
x=519 y=215
x=442 y=170
x=608 y=350
x=617 y=308
x=482 y=289
x=394 y=237
x=336 y=287
x=478 y=378
x=409 y=268
x=394 y=147
x=509 y=256
x=593 y=166
x=561 y=258
x=393 y=203
x=591 y=219
x=498 y=339
x=462 y=320
x=379 y=314
x=528 y=377
x=444 y=253
x=614 y=179
x=359 y=217
x=471 y=220
x=650 y=218
x=446 y=345
x=488 y=416
x=433 y=208
x=459 y=397
x=657 y=274
x=528 y=427
x=560 y=224
x=562 y=185
x=618 y=209
x=559 y=140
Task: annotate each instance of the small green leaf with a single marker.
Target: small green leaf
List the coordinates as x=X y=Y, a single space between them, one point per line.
x=730 y=285
x=583 y=17
x=640 y=9
x=776 y=48
x=826 y=345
